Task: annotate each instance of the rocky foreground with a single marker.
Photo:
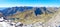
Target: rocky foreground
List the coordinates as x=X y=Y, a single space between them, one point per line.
x=9 y=23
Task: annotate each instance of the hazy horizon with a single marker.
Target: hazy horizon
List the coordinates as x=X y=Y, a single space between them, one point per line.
x=33 y=3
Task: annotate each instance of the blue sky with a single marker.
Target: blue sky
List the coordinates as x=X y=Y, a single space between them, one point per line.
x=38 y=3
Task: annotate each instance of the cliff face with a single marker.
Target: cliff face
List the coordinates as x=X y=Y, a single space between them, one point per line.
x=29 y=15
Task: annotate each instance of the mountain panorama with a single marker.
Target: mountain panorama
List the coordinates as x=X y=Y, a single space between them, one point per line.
x=12 y=10
x=29 y=13
x=37 y=10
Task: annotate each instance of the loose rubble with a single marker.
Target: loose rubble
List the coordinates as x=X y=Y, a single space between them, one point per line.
x=9 y=23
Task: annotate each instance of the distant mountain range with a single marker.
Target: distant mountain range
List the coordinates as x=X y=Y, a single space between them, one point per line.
x=8 y=11
x=37 y=10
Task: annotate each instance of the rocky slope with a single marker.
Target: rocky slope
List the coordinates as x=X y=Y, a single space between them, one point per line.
x=29 y=15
